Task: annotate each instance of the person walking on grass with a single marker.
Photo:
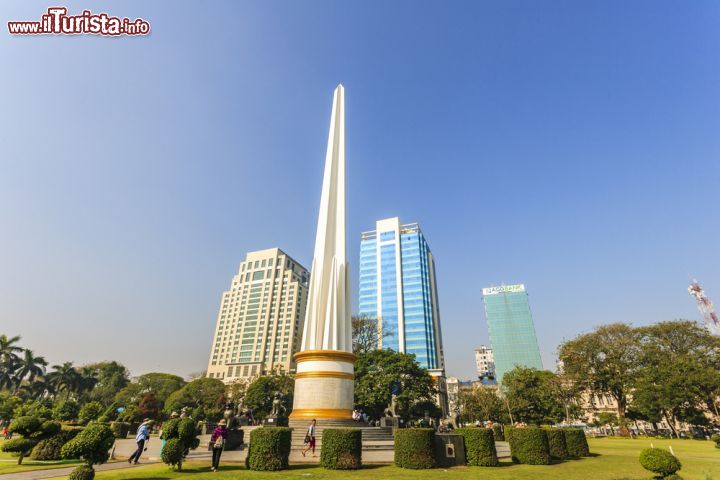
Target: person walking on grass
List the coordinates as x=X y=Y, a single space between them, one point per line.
x=217 y=443
x=310 y=439
x=142 y=437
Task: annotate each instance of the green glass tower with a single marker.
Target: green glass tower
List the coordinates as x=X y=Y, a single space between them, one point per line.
x=511 y=328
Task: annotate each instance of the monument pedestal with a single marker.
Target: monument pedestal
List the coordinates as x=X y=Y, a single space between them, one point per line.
x=276 y=421
x=387 y=422
x=323 y=385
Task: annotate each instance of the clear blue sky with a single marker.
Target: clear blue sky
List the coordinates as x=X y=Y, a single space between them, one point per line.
x=571 y=146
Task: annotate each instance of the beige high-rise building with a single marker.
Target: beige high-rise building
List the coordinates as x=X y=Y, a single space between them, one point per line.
x=260 y=320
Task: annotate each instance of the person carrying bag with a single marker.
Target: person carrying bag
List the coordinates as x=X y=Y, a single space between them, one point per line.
x=217 y=443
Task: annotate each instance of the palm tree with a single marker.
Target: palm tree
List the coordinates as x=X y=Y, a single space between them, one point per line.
x=64 y=378
x=9 y=349
x=7 y=375
x=29 y=367
x=37 y=389
x=87 y=379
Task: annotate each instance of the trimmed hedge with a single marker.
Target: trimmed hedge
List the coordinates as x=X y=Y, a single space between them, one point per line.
x=659 y=461
x=558 y=445
x=529 y=445
x=120 y=429
x=92 y=444
x=269 y=448
x=498 y=432
x=50 y=448
x=341 y=449
x=415 y=448
x=479 y=446
x=83 y=472
x=576 y=442
x=716 y=438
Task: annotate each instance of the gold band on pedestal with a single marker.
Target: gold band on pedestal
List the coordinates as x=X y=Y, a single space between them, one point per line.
x=327 y=355
x=346 y=376
x=310 y=413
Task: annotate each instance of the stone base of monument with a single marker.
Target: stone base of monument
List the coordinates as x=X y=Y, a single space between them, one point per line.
x=275 y=421
x=449 y=450
x=235 y=439
x=390 y=422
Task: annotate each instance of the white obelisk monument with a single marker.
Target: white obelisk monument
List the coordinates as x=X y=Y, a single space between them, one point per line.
x=324 y=381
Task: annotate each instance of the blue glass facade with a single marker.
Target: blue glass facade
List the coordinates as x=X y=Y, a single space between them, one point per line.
x=511 y=328
x=407 y=290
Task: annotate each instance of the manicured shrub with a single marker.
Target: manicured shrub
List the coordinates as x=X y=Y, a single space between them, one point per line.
x=529 y=445
x=716 y=438
x=33 y=430
x=172 y=452
x=659 y=461
x=415 y=448
x=341 y=449
x=558 y=444
x=120 y=429
x=51 y=448
x=185 y=431
x=576 y=442
x=479 y=446
x=269 y=448
x=92 y=444
x=18 y=446
x=498 y=432
x=83 y=472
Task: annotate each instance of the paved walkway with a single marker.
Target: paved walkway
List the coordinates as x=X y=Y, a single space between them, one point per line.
x=65 y=471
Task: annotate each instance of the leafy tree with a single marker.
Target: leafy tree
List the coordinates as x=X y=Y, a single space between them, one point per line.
x=8 y=403
x=530 y=396
x=606 y=418
x=111 y=378
x=149 y=407
x=260 y=393
x=161 y=385
x=205 y=396
x=367 y=333
x=90 y=411
x=481 y=404
x=66 y=410
x=377 y=371
x=680 y=364
x=604 y=361
x=568 y=393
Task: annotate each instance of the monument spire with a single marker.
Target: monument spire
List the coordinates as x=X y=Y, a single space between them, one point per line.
x=327 y=320
x=324 y=381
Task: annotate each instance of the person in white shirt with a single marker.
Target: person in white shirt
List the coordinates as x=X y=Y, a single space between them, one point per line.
x=310 y=439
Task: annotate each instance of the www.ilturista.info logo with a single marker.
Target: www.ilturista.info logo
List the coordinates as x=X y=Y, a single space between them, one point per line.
x=57 y=22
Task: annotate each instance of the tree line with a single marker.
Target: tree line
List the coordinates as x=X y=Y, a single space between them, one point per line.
x=666 y=371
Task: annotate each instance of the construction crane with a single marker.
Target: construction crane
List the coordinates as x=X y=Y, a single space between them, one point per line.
x=706 y=307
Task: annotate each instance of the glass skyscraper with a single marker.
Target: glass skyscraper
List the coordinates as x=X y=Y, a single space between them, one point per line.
x=397 y=286
x=511 y=328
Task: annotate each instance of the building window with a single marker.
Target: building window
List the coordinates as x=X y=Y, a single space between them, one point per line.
x=386 y=236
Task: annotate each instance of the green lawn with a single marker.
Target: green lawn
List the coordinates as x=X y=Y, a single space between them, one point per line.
x=8 y=463
x=615 y=459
